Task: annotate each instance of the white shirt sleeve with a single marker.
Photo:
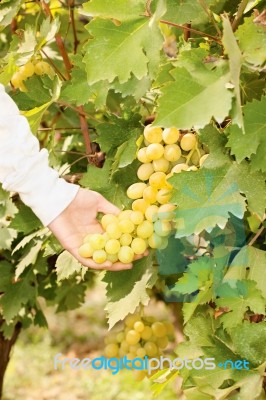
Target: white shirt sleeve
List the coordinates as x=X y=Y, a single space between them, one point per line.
x=24 y=167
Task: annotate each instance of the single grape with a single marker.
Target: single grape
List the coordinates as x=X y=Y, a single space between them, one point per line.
x=131 y=319
x=157 y=180
x=126 y=254
x=170 y=135
x=172 y=152
x=86 y=250
x=126 y=226
x=125 y=239
x=164 y=243
x=162 y=228
x=188 y=141
x=17 y=80
x=42 y=68
x=112 y=257
x=113 y=230
x=141 y=352
x=159 y=329
x=155 y=151
x=146 y=334
x=132 y=337
x=99 y=256
x=165 y=212
x=162 y=342
x=138 y=245
x=145 y=171
x=135 y=191
x=155 y=241
x=145 y=229
x=111 y=350
x=153 y=134
x=97 y=241
x=125 y=214
x=142 y=155
x=136 y=217
x=151 y=349
x=139 y=326
x=108 y=219
x=87 y=237
x=112 y=246
x=140 y=205
x=149 y=194
x=163 y=196
x=151 y=213
x=161 y=165
x=27 y=70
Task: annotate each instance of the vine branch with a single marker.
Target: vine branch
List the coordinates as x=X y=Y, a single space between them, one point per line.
x=71 y=4
x=253 y=240
x=239 y=14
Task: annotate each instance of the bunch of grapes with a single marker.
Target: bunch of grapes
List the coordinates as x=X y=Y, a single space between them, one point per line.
x=38 y=67
x=139 y=337
x=149 y=222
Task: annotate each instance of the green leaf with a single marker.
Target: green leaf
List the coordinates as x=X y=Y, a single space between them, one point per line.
x=126 y=290
x=7 y=235
x=216 y=142
x=8 y=10
x=171 y=260
x=120 y=10
x=204 y=198
x=66 y=265
x=192 y=101
x=69 y=295
x=252 y=41
x=239 y=297
x=119 y=50
x=235 y=63
x=25 y=220
x=249 y=342
x=17 y=295
x=250 y=144
x=29 y=258
x=6 y=275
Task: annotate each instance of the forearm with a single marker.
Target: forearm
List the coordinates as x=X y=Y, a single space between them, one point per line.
x=25 y=169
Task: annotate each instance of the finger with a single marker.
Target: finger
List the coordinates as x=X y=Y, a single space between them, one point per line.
x=139 y=256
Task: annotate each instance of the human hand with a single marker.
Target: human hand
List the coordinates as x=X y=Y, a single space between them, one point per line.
x=79 y=219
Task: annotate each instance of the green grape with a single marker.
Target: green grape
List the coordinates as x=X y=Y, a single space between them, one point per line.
x=138 y=245
x=151 y=213
x=140 y=205
x=27 y=70
x=145 y=229
x=42 y=68
x=86 y=250
x=145 y=171
x=162 y=342
x=111 y=350
x=155 y=151
x=161 y=165
x=120 y=337
x=157 y=180
x=125 y=239
x=146 y=334
x=107 y=219
x=164 y=243
x=142 y=156
x=17 y=80
x=151 y=349
x=155 y=241
x=159 y=329
x=169 y=328
x=99 y=256
x=112 y=257
x=126 y=226
x=141 y=352
x=163 y=196
x=97 y=241
x=162 y=228
x=139 y=326
x=170 y=135
x=153 y=134
x=179 y=167
x=172 y=152
x=126 y=254
x=188 y=141
x=125 y=214
x=136 y=217
x=149 y=194
x=131 y=319
x=132 y=337
x=135 y=191
x=87 y=237
x=113 y=230
x=112 y=246
x=166 y=212
x=124 y=346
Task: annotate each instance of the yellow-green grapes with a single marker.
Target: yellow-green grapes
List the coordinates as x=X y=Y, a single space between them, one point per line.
x=38 y=67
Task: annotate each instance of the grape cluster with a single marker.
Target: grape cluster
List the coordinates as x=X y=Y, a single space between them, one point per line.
x=139 y=337
x=39 y=67
x=149 y=222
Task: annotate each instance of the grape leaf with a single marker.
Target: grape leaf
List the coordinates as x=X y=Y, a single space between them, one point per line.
x=7 y=12
x=252 y=41
x=185 y=11
x=216 y=142
x=6 y=275
x=69 y=295
x=128 y=289
x=249 y=263
x=239 y=296
x=29 y=258
x=66 y=265
x=171 y=260
x=235 y=61
x=7 y=235
x=25 y=220
x=17 y=295
x=250 y=144
x=191 y=101
x=249 y=342
x=204 y=198
x=120 y=10
x=119 y=50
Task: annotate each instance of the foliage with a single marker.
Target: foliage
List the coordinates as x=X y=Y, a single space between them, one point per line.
x=196 y=65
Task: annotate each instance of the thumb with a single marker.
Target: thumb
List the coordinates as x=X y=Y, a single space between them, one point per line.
x=106 y=207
